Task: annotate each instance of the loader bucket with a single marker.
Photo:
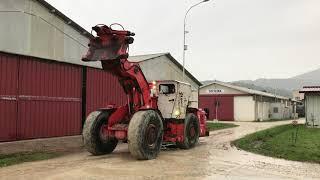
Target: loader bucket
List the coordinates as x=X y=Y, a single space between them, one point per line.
x=108 y=44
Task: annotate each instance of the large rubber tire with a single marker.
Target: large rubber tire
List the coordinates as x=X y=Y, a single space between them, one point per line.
x=145 y=134
x=191 y=132
x=91 y=133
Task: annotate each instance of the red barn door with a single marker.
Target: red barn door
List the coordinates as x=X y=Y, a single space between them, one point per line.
x=218 y=107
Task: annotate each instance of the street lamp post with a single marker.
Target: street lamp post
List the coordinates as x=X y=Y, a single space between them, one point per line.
x=184 y=36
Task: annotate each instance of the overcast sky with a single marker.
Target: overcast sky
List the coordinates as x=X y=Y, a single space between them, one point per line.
x=228 y=39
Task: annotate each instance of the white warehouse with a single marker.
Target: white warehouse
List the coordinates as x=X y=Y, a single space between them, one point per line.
x=224 y=101
x=162 y=66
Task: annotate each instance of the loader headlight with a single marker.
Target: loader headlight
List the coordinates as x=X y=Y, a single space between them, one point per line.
x=177 y=113
x=153 y=89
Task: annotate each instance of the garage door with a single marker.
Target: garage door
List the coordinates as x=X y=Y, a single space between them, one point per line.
x=218 y=107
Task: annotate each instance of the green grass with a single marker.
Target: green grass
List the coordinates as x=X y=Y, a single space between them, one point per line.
x=217 y=126
x=17 y=158
x=279 y=142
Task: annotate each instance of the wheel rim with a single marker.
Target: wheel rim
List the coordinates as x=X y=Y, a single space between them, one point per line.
x=151 y=135
x=192 y=131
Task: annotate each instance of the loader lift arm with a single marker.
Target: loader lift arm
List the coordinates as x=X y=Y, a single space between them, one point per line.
x=111 y=48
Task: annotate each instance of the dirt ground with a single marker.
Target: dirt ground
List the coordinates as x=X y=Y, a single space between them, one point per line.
x=60 y=144
x=213 y=158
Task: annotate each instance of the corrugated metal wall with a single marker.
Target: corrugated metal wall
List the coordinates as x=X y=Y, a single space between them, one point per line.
x=8 y=96
x=49 y=101
x=312 y=102
x=102 y=89
x=225 y=110
x=38 y=98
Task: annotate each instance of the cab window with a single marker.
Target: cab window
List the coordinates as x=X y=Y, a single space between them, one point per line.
x=167 y=89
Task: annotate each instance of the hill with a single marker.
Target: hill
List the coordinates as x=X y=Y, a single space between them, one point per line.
x=312 y=76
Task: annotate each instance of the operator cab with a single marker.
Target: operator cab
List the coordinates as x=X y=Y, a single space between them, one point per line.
x=167 y=89
x=174 y=98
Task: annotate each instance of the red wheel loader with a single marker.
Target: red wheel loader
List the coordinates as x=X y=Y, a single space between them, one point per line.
x=155 y=112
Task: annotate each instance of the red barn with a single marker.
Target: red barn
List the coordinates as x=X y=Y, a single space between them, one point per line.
x=45 y=89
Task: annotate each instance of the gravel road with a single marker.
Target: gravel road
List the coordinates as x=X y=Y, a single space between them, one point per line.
x=213 y=158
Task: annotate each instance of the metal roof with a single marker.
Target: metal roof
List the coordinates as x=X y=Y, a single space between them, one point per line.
x=88 y=35
x=141 y=58
x=310 y=89
x=67 y=20
x=247 y=90
x=144 y=57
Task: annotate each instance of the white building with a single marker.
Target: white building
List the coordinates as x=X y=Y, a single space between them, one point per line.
x=35 y=28
x=163 y=66
x=312 y=105
x=296 y=95
x=224 y=101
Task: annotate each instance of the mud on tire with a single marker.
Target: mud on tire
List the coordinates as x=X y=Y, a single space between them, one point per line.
x=145 y=134
x=191 y=132
x=91 y=133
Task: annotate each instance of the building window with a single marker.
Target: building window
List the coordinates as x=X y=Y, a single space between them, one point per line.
x=287 y=103
x=275 y=110
x=167 y=89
